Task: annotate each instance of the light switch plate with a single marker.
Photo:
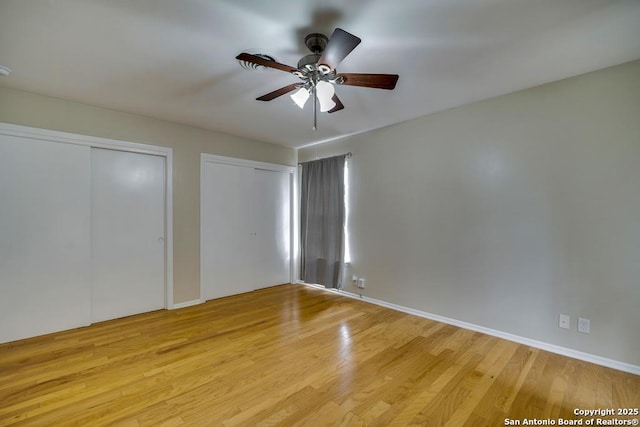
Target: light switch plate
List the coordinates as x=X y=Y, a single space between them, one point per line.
x=564 y=321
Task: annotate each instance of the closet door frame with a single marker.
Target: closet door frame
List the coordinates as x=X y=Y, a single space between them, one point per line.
x=112 y=144
x=275 y=167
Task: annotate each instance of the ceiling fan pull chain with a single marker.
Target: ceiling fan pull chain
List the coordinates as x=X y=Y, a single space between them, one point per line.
x=315 y=114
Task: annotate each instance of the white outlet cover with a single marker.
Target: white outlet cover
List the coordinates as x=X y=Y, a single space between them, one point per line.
x=584 y=325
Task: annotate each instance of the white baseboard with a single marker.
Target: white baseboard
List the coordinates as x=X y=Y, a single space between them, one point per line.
x=185 y=304
x=564 y=351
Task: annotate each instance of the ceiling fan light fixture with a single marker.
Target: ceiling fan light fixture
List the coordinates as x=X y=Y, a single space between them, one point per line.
x=300 y=97
x=324 y=69
x=325 y=92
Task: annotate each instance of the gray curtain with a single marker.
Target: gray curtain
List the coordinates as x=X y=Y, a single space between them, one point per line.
x=322 y=221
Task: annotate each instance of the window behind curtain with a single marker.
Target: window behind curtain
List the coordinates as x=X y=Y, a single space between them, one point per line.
x=322 y=216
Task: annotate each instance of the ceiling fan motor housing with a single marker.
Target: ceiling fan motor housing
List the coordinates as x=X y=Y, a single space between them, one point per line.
x=310 y=60
x=316 y=42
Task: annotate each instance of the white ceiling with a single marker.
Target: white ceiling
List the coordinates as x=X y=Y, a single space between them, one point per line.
x=175 y=59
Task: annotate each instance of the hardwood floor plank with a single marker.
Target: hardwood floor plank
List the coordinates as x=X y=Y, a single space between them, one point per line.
x=292 y=355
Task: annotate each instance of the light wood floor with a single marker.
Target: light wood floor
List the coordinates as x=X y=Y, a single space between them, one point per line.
x=293 y=355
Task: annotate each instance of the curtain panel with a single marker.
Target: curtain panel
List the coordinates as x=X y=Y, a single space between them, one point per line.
x=322 y=214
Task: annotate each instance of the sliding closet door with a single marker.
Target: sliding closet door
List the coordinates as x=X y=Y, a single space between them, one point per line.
x=226 y=230
x=128 y=233
x=273 y=227
x=245 y=228
x=44 y=237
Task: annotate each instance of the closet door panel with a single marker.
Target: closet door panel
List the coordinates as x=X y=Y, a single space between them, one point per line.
x=44 y=237
x=128 y=233
x=227 y=232
x=273 y=227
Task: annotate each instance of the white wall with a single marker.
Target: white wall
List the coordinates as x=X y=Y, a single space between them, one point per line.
x=508 y=212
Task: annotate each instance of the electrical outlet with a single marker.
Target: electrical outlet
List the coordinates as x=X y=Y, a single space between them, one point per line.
x=354 y=280
x=584 y=325
x=361 y=283
x=564 y=321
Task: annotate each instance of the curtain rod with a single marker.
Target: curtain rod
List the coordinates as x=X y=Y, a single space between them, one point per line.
x=347 y=155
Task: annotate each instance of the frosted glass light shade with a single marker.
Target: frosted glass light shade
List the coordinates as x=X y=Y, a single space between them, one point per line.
x=325 y=92
x=300 y=97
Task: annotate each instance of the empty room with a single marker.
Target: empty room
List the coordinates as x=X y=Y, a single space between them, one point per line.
x=319 y=213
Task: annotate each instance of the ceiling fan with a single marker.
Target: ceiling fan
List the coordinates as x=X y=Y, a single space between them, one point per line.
x=318 y=72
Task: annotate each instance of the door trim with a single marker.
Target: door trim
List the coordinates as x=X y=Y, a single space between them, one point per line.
x=113 y=144
x=204 y=157
x=291 y=170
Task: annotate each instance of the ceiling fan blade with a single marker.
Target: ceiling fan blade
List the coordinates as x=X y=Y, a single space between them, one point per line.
x=340 y=45
x=378 y=81
x=278 y=92
x=338 y=106
x=265 y=62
